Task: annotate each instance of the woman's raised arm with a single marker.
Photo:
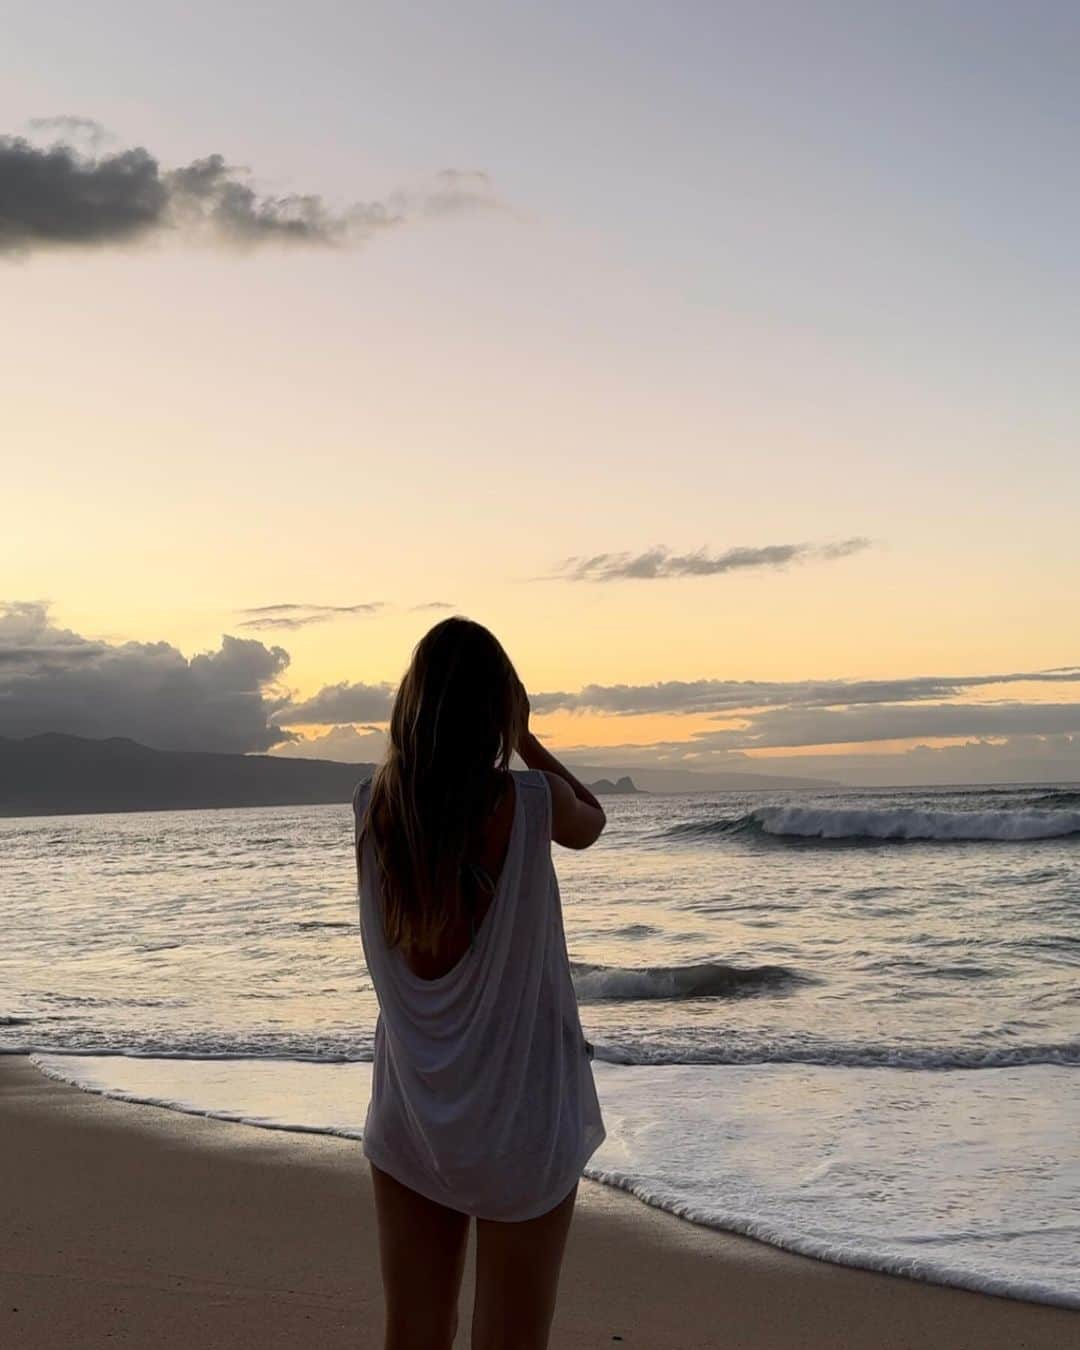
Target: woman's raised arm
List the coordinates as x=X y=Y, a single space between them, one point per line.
x=577 y=818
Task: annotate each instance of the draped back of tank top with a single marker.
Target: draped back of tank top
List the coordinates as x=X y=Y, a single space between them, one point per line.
x=482 y=1089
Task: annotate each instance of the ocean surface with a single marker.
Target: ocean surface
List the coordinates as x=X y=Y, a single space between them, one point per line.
x=847 y=1023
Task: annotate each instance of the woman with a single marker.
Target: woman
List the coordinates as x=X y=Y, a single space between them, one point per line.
x=483 y=1104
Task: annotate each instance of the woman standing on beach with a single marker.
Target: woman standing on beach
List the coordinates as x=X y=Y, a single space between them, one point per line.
x=483 y=1104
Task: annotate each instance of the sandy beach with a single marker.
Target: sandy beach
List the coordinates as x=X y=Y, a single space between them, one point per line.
x=130 y=1225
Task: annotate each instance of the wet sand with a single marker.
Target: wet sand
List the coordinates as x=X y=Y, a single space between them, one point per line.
x=124 y=1225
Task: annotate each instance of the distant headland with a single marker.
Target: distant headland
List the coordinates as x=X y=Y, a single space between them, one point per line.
x=605 y=785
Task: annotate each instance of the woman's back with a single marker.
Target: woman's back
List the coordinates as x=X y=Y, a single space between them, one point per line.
x=482 y=1093
x=480 y=882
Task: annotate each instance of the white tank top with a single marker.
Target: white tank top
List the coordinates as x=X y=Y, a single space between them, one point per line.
x=482 y=1094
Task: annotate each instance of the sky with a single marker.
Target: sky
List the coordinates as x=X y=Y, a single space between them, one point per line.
x=720 y=357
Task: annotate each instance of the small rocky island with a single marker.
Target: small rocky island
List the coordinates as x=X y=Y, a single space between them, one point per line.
x=605 y=785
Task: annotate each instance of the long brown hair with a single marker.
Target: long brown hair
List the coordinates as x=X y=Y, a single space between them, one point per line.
x=457 y=717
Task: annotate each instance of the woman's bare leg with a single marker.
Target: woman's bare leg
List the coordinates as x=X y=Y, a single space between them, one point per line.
x=517 y=1279
x=422 y=1253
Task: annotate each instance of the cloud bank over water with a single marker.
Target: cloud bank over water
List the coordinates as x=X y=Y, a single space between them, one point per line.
x=349 y=743
x=726 y=696
x=235 y=698
x=53 y=679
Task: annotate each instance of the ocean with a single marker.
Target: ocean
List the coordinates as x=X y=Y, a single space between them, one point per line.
x=846 y=1023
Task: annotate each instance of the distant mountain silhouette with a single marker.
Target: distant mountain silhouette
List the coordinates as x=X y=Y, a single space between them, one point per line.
x=55 y=774
x=603 y=785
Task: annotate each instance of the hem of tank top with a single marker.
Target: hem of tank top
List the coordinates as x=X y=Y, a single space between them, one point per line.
x=575 y=1175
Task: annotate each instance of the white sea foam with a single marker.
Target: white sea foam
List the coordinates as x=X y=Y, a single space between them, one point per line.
x=657 y=1050
x=983 y=1193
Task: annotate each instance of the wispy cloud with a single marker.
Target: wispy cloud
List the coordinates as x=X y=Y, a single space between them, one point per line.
x=451 y=192
x=73 y=128
x=727 y=697
x=788 y=728
x=807 y=716
x=287 y=616
x=660 y=563
x=60 y=195
x=1001 y=758
x=435 y=604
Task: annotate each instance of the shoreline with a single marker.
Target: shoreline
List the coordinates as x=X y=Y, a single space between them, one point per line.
x=133 y=1224
x=340 y=1113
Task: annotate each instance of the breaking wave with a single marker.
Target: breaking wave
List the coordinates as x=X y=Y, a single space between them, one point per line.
x=594 y=984
x=886 y=825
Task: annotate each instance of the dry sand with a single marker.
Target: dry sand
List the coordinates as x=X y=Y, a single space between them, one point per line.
x=130 y=1225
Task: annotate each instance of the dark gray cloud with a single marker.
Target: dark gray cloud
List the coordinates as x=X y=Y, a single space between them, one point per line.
x=300 y=616
x=660 y=563
x=59 y=195
x=344 y=702
x=725 y=697
x=52 y=679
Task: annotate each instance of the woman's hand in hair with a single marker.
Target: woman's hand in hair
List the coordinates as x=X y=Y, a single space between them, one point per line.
x=577 y=818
